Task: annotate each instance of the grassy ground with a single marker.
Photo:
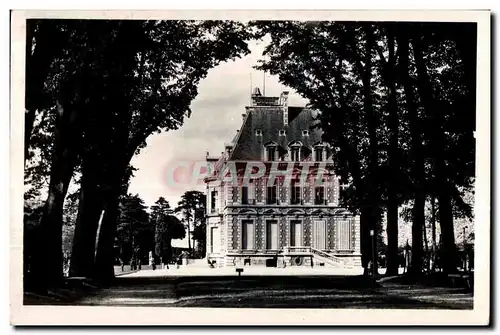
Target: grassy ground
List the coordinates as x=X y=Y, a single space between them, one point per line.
x=276 y=292
x=260 y=291
x=71 y=290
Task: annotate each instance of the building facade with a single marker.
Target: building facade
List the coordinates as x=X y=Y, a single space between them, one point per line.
x=272 y=196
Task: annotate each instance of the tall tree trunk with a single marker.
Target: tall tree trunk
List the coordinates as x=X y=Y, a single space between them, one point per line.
x=370 y=196
x=89 y=211
x=104 y=261
x=47 y=266
x=368 y=221
x=394 y=161
x=433 y=222
x=418 y=213
x=372 y=179
x=426 y=245
x=449 y=253
x=392 y=239
x=349 y=148
x=437 y=151
x=418 y=169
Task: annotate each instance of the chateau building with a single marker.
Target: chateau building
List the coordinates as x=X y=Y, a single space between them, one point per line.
x=272 y=196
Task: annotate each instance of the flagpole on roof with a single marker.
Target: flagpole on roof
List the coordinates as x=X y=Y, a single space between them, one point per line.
x=264 y=85
x=250 y=87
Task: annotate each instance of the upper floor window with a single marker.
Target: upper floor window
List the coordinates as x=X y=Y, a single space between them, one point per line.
x=213 y=201
x=319 y=195
x=282 y=132
x=271 y=195
x=258 y=132
x=244 y=195
x=305 y=132
x=295 y=194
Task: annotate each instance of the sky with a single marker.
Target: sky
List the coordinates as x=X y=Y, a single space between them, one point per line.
x=216 y=116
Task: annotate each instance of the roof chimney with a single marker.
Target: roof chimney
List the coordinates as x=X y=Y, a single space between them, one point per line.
x=284 y=103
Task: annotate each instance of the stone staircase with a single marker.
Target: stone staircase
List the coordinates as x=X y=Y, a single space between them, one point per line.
x=326 y=258
x=318 y=256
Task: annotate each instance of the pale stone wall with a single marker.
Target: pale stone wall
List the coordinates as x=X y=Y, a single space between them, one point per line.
x=229 y=222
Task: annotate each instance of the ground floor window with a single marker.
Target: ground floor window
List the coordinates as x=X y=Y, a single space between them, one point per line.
x=272 y=235
x=248 y=234
x=319 y=234
x=295 y=233
x=343 y=235
x=214 y=240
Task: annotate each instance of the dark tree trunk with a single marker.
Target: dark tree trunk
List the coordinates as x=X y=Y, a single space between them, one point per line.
x=394 y=161
x=418 y=213
x=368 y=221
x=392 y=239
x=365 y=239
x=426 y=245
x=418 y=169
x=104 y=263
x=47 y=267
x=433 y=222
x=448 y=254
x=372 y=195
x=442 y=184
x=89 y=211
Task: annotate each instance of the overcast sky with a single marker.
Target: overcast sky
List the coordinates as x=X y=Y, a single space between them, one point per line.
x=216 y=116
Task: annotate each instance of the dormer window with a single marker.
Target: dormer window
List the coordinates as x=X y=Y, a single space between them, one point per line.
x=295 y=154
x=282 y=133
x=305 y=132
x=318 y=155
x=320 y=151
x=258 y=132
x=271 y=153
x=295 y=147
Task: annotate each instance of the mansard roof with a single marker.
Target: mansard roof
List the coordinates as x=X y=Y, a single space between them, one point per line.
x=270 y=120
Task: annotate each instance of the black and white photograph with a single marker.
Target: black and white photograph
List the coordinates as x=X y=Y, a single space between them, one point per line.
x=224 y=163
